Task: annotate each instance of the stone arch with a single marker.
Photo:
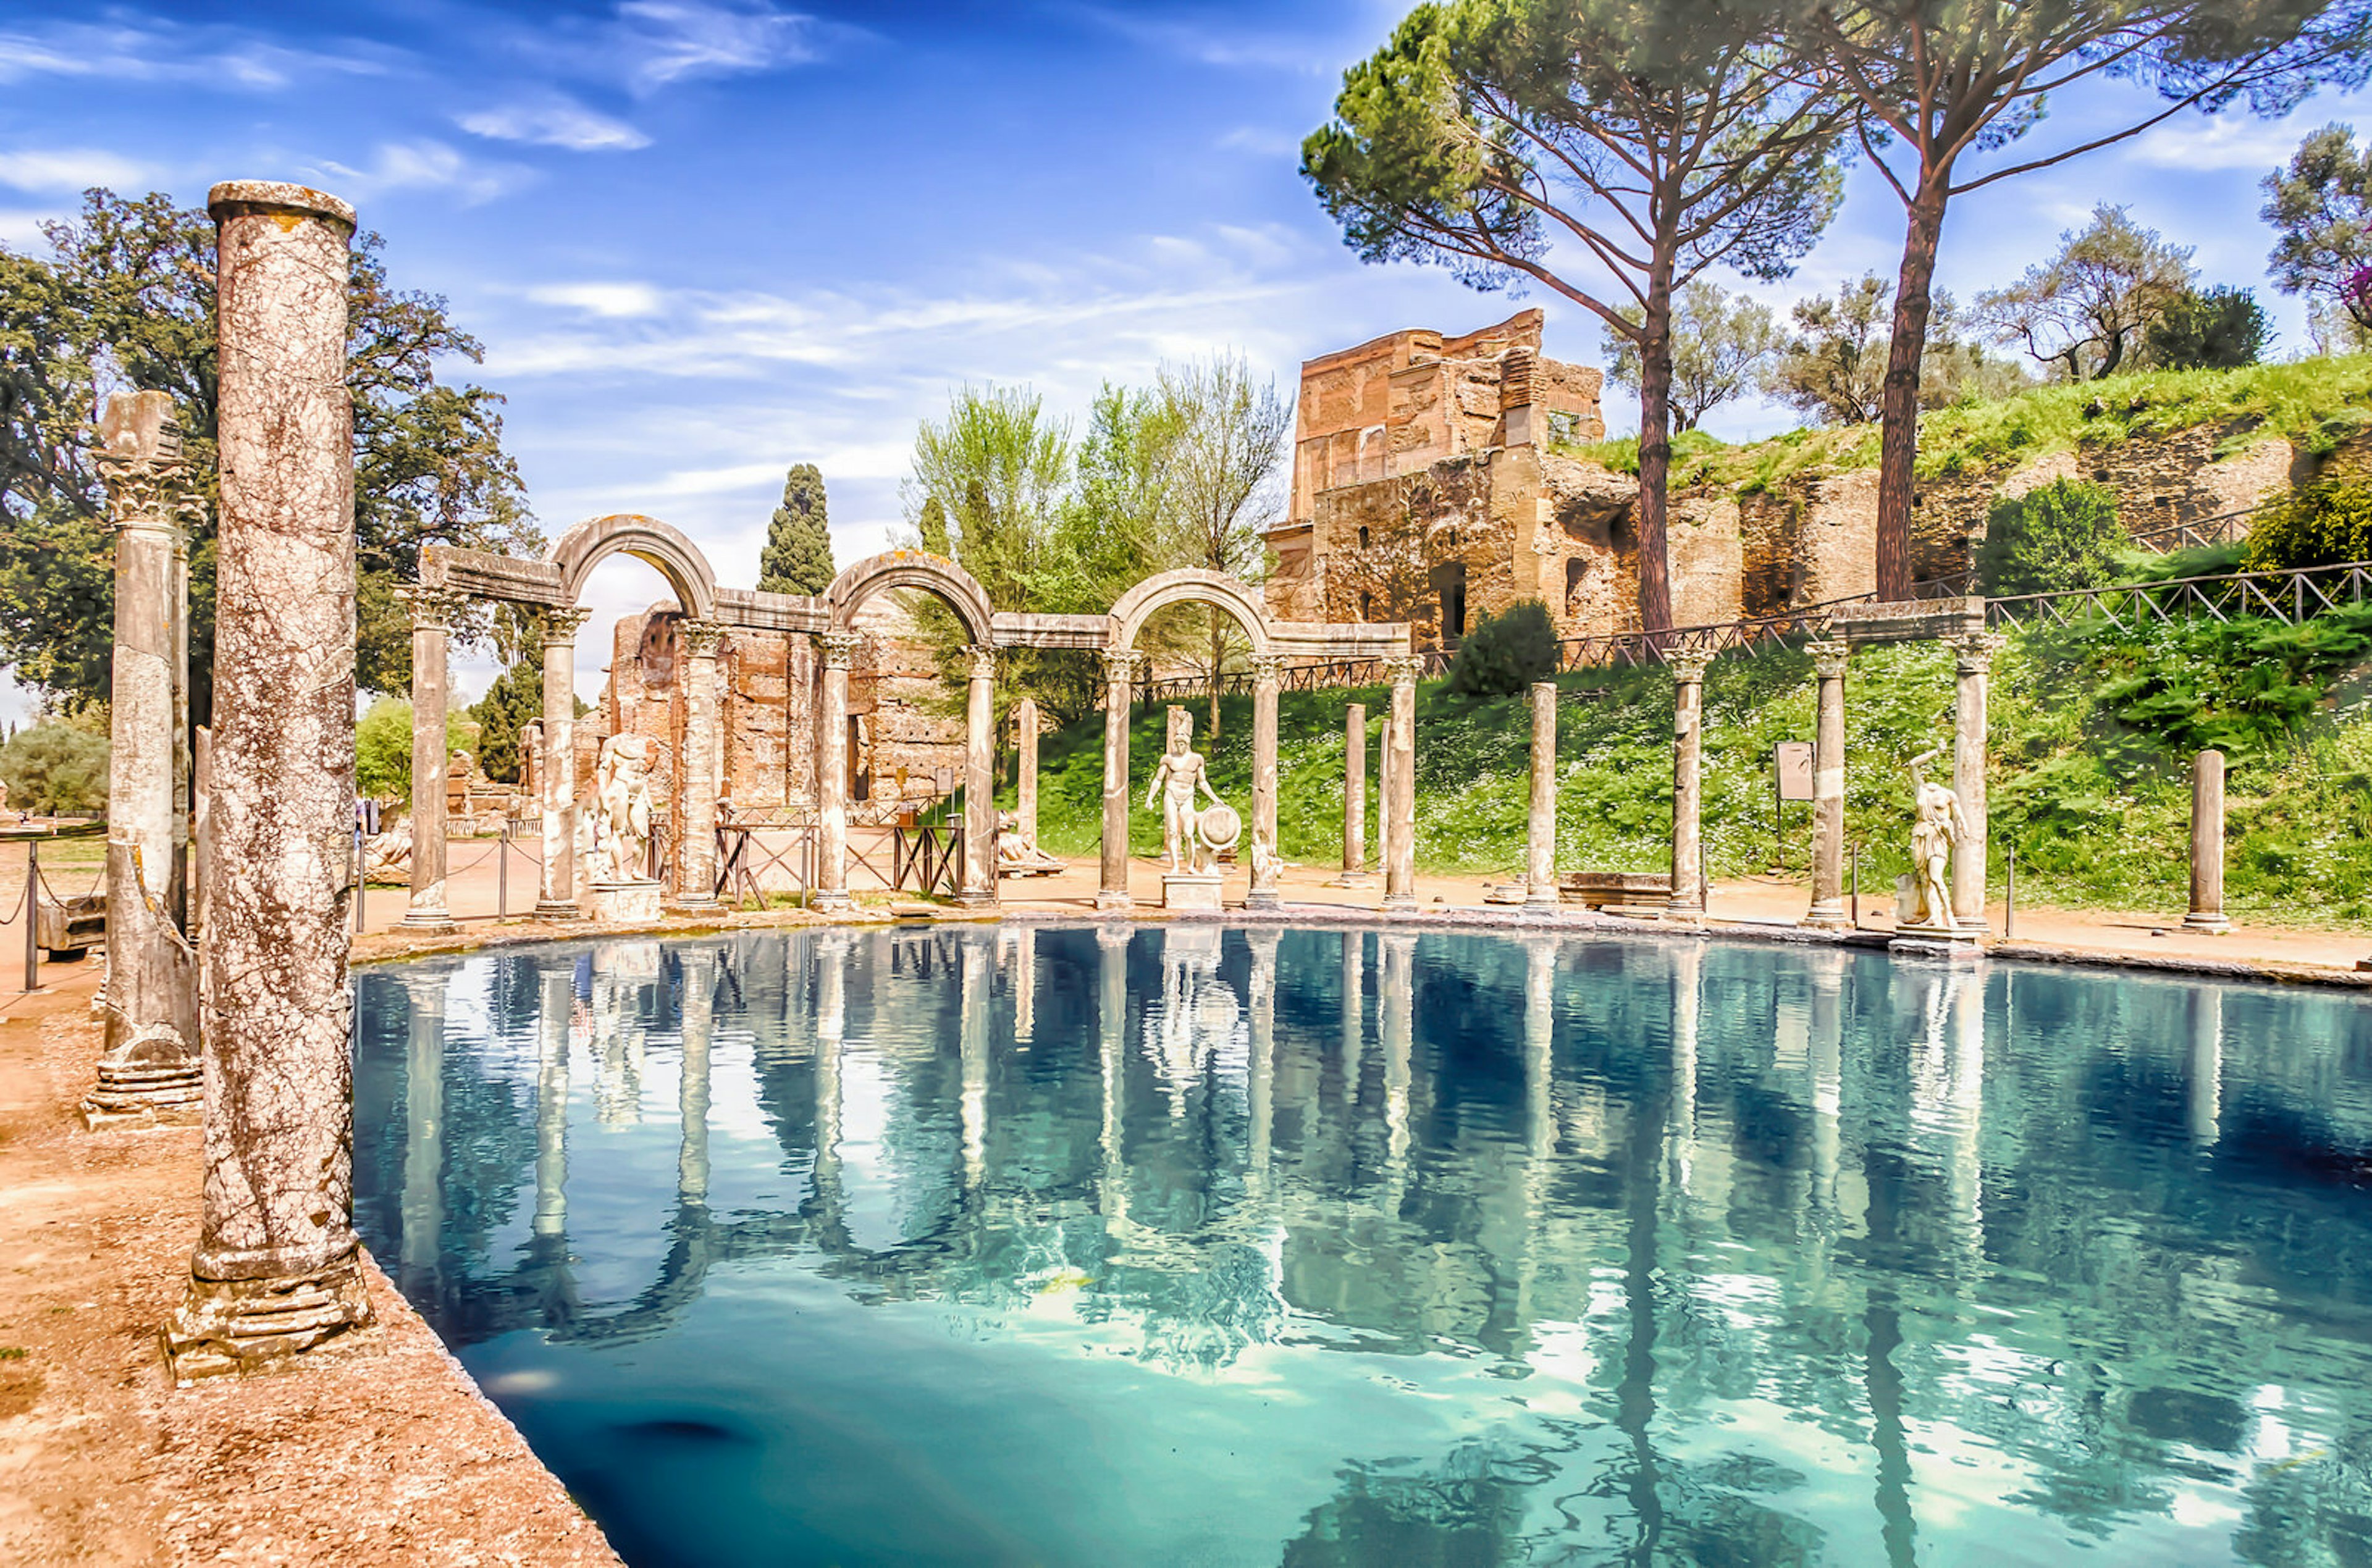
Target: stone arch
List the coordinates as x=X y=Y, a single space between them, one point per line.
x=1189 y=584
x=912 y=569
x=679 y=560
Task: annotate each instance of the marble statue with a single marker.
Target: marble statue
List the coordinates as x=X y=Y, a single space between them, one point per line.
x=1176 y=781
x=386 y=856
x=621 y=791
x=1938 y=828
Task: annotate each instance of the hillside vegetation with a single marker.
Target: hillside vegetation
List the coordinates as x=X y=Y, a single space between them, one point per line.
x=2092 y=737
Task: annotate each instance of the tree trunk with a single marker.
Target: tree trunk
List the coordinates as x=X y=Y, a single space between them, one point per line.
x=1899 y=411
x=1654 y=454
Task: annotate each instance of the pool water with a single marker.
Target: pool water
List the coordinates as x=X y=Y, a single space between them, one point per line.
x=1063 y=1245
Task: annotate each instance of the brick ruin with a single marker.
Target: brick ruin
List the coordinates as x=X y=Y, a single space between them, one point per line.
x=1427 y=488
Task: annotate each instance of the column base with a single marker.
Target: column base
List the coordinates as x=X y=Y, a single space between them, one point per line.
x=238 y=1327
x=1828 y=916
x=832 y=903
x=151 y=1078
x=436 y=922
x=1107 y=901
x=696 y=906
x=1264 y=898
x=2206 y=924
x=1399 y=904
x=1353 y=879
x=557 y=909
x=974 y=897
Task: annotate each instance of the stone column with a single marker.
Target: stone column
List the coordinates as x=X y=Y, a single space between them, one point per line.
x=432 y=624
x=1354 y=796
x=275 y=1271
x=1267 y=674
x=832 y=774
x=151 y=1062
x=979 y=779
x=423 y=1134
x=2207 y=845
x=1025 y=742
x=1828 y=911
x=696 y=788
x=1975 y=655
x=1399 y=784
x=557 y=897
x=1120 y=687
x=1687 y=667
x=1540 y=837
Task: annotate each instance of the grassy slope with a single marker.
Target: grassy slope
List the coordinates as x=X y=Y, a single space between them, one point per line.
x=2315 y=403
x=2100 y=812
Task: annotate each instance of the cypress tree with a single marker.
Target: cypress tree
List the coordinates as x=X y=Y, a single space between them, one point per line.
x=797 y=558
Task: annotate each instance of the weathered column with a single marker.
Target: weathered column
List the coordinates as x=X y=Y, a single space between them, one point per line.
x=276 y=1269
x=432 y=624
x=557 y=897
x=979 y=779
x=151 y=1062
x=1540 y=836
x=1120 y=687
x=2208 y=846
x=1828 y=910
x=1355 y=798
x=423 y=1134
x=1687 y=667
x=1975 y=654
x=1400 y=785
x=696 y=789
x=1267 y=674
x=1025 y=742
x=832 y=774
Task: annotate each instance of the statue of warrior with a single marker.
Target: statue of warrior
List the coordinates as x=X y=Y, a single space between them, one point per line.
x=1175 y=782
x=1939 y=827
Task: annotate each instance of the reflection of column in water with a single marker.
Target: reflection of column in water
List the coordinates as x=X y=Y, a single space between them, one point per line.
x=1199 y=1011
x=1965 y=1028
x=1826 y=1051
x=975 y=1046
x=832 y=1026
x=698 y=1018
x=1261 y=1092
x=1112 y=1013
x=1397 y=1008
x=423 y=1127
x=552 y=1105
x=1355 y=1010
x=2206 y=1065
x=621 y=972
x=1021 y=972
x=1680 y=1129
x=1540 y=1032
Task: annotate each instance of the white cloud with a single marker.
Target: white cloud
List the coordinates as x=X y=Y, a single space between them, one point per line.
x=2199 y=144
x=1260 y=142
x=555 y=123
x=615 y=300
x=67 y=169
x=166 y=52
x=426 y=166
x=668 y=41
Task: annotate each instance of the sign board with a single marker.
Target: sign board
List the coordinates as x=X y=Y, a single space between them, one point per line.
x=1794 y=761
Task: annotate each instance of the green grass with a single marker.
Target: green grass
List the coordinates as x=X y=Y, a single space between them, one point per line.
x=2092 y=738
x=2313 y=403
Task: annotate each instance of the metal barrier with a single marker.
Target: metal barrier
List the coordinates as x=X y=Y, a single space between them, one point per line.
x=2289 y=596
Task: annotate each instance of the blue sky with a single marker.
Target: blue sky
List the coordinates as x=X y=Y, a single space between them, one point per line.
x=703 y=240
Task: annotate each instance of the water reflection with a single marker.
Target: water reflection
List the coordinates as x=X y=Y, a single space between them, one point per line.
x=1074 y=1245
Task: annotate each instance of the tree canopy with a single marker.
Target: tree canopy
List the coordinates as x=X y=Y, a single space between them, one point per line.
x=797 y=557
x=1722 y=342
x=2319 y=205
x=2084 y=310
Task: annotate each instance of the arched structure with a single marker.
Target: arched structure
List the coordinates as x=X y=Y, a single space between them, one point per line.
x=912 y=569
x=1190 y=586
x=676 y=558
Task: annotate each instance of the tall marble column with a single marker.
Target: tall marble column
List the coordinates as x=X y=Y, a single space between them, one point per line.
x=1119 y=687
x=1828 y=911
x=1540 y=836
x=832 y=774
x=2208 y=846
x=979 y=779
x=1267 y=674
x=556 y=898
x=151 y=1063
x=432 y=627
x=276 y=1270
x=696 y=788
x=1354 y=796
x=1975 y=656
x=423 y=1133
x=1687 y=667
x=1025 y=790
x=1400 y=787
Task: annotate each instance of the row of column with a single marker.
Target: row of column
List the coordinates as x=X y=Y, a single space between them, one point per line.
x=978 y=884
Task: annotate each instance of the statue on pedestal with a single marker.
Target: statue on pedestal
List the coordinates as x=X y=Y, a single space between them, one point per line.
x=621 y=791
x=1176 y=779
x=1938 y=828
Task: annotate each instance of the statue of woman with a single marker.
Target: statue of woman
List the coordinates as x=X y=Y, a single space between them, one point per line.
x=622 y=788
x=1939 y=827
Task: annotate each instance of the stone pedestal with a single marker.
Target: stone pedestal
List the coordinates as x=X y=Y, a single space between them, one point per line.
x=277 y=1268
x=1956 y=944
x=1191 y=890
x=1120 y=685
x=2208 y=846
x=637 y=902
x=1540 y=837
x=1829 y=911
x=1687 y=667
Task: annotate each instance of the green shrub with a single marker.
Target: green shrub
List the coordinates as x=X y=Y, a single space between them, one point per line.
x=56 y=767
x=1505 y=652
x=2319 y=524
x=2065 y=535
x=383 y=750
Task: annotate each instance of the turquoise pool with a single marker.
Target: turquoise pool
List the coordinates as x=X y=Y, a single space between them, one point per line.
x=1203 y=1246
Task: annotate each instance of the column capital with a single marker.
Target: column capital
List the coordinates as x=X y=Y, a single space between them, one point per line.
x=150 y=490
x=701 y=638
x=560 y=625
x=1829 y=655
x=839 y=648
x=1402 y=669
x=1975 y=652
x=980 y=661
x=1268 y=669
x=1688 y=664
x=1120 y=665
x=432 y=608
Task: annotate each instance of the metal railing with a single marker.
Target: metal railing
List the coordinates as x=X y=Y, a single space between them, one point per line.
x=2289 y=596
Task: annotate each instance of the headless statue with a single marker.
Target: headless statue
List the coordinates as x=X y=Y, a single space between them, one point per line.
x=1939 y=828
x=1175 y=783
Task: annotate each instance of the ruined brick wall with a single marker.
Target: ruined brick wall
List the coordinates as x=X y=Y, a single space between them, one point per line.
x=908 y=714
